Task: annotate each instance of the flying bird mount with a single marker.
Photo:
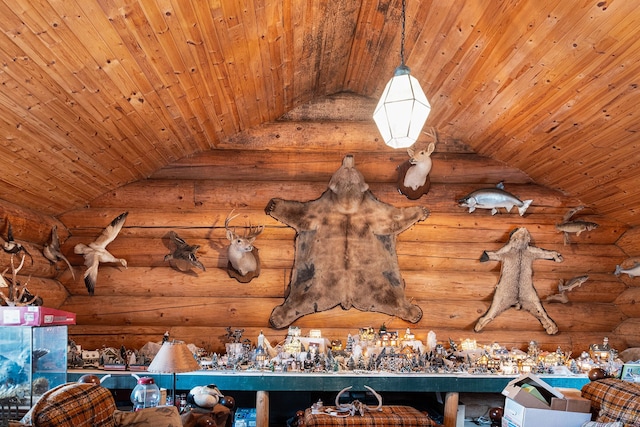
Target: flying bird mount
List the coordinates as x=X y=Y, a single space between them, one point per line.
x=183 y=256
x=96 y=252
x=52 y=252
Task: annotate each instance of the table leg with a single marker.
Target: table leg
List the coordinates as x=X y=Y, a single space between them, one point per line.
x=450 y=409
x=262 y=409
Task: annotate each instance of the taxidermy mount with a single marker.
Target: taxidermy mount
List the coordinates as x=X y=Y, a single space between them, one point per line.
x=96 y=252
x=515 y=287
x=345 y=251
x=413 y=175
x=493 y=198
x=183 y=256
x=52 y=252
x=244 y=261
x=568 y=225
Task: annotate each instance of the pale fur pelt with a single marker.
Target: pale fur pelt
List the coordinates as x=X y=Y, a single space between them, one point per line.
x=515 y=287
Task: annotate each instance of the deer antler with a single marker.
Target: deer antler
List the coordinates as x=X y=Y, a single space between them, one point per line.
x=15 y=291
x=379 y=407
x=433 y=133
x=250 y=231
x=338 y=405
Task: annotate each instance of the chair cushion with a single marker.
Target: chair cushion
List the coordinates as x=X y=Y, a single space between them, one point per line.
x=615 y=400
x=159 y=416
x=73 y=405
x=389 y=416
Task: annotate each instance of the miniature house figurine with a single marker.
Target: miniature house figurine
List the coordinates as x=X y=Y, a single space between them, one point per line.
x=600 y=351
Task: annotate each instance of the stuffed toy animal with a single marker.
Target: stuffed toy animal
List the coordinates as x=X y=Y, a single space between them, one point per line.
x=206 y=396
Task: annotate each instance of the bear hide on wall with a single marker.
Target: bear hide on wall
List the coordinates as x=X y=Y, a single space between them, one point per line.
x=345 y=251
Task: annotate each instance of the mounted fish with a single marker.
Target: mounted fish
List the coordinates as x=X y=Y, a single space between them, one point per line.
x=413 y=175
x=577 y=227
x=573 y=283
x=183 y=256
x=631 y=271
x=494 y=198
x=563 y=288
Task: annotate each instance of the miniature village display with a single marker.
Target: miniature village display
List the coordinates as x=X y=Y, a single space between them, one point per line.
x=376 y=351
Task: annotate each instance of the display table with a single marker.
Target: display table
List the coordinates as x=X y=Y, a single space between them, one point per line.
x=264 y=382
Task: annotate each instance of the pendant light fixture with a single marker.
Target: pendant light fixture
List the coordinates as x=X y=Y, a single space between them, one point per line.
x=403 y=107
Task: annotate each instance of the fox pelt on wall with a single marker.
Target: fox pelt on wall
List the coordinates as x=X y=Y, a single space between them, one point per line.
x=515 y=286
x=345 y=251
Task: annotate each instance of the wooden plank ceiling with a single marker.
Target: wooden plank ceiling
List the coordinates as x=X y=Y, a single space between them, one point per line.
x=99 y=93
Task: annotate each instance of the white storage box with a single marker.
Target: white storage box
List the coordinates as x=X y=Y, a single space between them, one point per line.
x=517 y=415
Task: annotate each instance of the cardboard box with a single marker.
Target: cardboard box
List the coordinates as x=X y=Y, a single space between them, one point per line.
x=572 y=402
x=517 y=415
x=35 y=316
x=531 y=392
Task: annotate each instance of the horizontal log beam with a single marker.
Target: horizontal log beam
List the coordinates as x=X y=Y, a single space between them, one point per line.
x=158 y=311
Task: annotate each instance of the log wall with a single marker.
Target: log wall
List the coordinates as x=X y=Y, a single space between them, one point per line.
x=438 y=258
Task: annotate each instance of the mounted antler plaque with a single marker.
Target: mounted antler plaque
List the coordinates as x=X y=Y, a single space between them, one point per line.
x=345 y=251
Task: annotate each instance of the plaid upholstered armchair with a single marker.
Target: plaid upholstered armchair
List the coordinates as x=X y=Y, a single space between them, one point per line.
x=91 y=405
x=614 y=402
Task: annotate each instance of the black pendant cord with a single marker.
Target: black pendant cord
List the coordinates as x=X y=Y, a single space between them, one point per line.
x=404 y=5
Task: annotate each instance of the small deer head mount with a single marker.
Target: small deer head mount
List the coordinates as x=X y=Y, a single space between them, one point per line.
x=244 y=262
x=413 y=175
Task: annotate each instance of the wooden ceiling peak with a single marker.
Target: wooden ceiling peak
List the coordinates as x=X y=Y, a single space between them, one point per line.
x=97 y=94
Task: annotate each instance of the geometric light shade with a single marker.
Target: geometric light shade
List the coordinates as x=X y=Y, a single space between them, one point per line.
x=402 y=110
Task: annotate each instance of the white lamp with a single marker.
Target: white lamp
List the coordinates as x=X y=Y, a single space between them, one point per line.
x=403 y=107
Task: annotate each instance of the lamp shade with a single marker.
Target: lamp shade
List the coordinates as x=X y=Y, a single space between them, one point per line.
x=402 y=110
x=174 y=357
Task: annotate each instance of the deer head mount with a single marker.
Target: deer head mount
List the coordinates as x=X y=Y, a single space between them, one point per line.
x=413 y=175
x=244 y=262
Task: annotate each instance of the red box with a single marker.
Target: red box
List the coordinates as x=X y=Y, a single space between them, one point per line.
x=35 y=316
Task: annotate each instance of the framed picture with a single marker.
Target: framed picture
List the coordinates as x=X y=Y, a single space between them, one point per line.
x=631 y=372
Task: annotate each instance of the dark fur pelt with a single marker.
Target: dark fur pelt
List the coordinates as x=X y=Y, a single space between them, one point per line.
x=345 y=251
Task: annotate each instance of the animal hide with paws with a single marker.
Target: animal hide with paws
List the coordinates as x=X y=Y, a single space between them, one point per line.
x=345 y=251
x=515 y=287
